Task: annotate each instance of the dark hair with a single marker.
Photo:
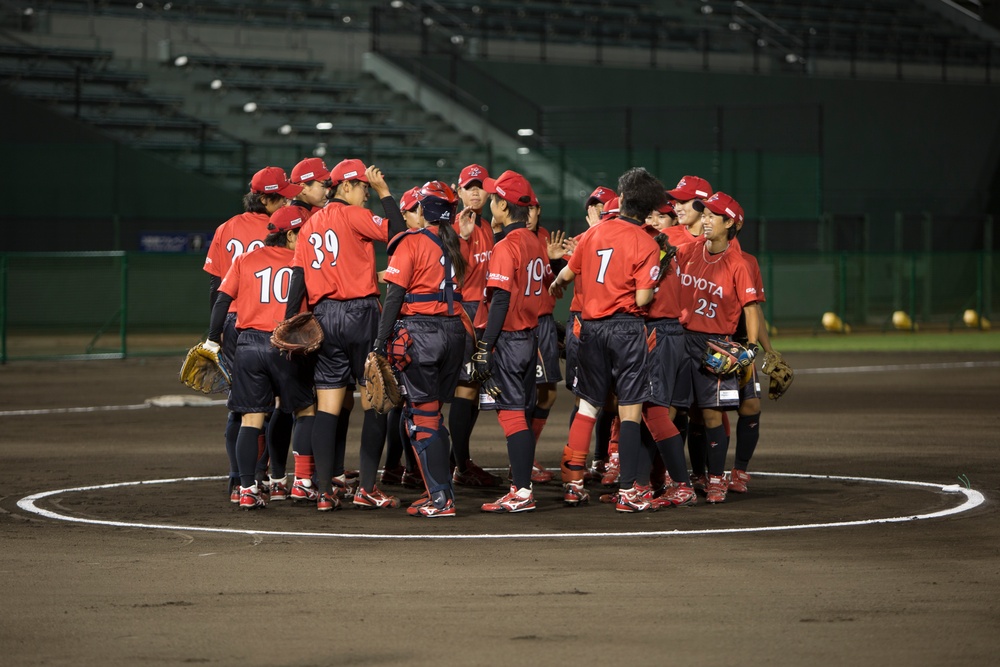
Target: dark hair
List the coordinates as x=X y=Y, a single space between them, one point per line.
x=640 y=193
x=452 y=246
x=255 y=202
x=517 y=212
x=732 y=231
x=279 y=239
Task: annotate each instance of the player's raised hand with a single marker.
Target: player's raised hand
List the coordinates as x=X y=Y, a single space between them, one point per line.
x=556 y=247
x=466 y=222
x=377 y=181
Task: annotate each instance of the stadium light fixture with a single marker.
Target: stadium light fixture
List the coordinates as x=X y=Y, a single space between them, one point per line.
x=285 y=129
x=324 y=126
x=320 y=150
x=180 y=61
x=216 y=84
x=525 y=132
x=523 y=150
x=250 y=107
x=396 y=4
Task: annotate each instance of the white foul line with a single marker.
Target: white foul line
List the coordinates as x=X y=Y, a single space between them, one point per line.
x=944 y=365
x=973 y=499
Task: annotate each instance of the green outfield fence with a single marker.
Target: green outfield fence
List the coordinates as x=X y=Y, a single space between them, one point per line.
x=105 y=305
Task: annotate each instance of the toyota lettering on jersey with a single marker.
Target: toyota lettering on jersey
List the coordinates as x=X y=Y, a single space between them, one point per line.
x=477 y=251
x=258 y=282
x=714 y=288
x=518 y=266
x=337 y=254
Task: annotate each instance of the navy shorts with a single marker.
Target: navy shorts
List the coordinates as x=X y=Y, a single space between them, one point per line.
x=349 y=330
x=749 y=383
x=613 y=357
x=465 y=371
x=229 y=338
x=436 y=349
x=665 y=340
x=547 y=369
x=263 y=372
x=515 y=357
x=572 y=345
x=706 y=389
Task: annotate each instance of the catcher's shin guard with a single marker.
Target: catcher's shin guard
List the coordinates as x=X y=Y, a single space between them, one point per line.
x=432 y=456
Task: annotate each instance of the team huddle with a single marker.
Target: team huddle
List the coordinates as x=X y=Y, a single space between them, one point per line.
x=664 y=325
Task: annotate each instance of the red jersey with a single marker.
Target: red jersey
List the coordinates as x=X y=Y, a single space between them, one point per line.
x=754 y=268
x=518 y=266
x=548 y=301
x=241 y=233
x=714 y=288
x=612 y=260
x=337 y=253
x=679 y=235
x=258 y=282
x=416 y=265
x=477 y=252
x=666 y=295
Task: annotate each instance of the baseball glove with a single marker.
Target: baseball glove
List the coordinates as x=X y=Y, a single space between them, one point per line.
x=781 y=375
x=667 y=252
x=723 y=357
x=380 y=383
x=204 y=371
x=300 y=334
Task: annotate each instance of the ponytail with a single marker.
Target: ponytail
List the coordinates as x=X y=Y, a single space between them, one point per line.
x=453 y=247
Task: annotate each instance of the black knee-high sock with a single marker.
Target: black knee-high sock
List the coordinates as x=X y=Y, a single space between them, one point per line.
x=340 y=442
x=681 y=422
x=697 y=448
x=672 y=452
x=372 y=442
x=232 y=433
x=460 y=419
x=302 y=436
x=747 y=435
x=279 y=437
x=246 y=454
x=323 y=435
x=647 y=450
x=629 y=445
x=603 y=435
x=393 y=439
x=718 y=445
x=521 y=452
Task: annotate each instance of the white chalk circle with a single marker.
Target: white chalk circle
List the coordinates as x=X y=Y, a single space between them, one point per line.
x=972 y=499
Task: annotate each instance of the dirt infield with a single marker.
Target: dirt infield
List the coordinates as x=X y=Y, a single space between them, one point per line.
x=916 y=592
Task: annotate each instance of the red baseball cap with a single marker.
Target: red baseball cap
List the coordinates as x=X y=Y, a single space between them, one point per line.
x=691 y=187
x=409 y=200
x=667 y=208
x=601 y=195
x=349 y=170
x=287 y=217
x=611 y=208
x=512 y=187
x=273 y=181
x=310 y=169
x=473 y=172
x=721 y=204
x=534 y=197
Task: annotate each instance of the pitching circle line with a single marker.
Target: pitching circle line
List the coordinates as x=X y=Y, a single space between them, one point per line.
x=973 y=499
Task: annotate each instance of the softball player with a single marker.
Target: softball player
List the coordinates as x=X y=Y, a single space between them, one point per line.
x=547 y=372
x=257 y=284
x=507 y=352
x=394 y=472
x=618 y=266
x=269 y=191
x=748 y=421
x=478 y=246
x=334 y=269
x=716 y=287
x=426 y=266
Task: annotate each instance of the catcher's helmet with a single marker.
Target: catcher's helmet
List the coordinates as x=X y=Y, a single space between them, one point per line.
x=438 y=201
